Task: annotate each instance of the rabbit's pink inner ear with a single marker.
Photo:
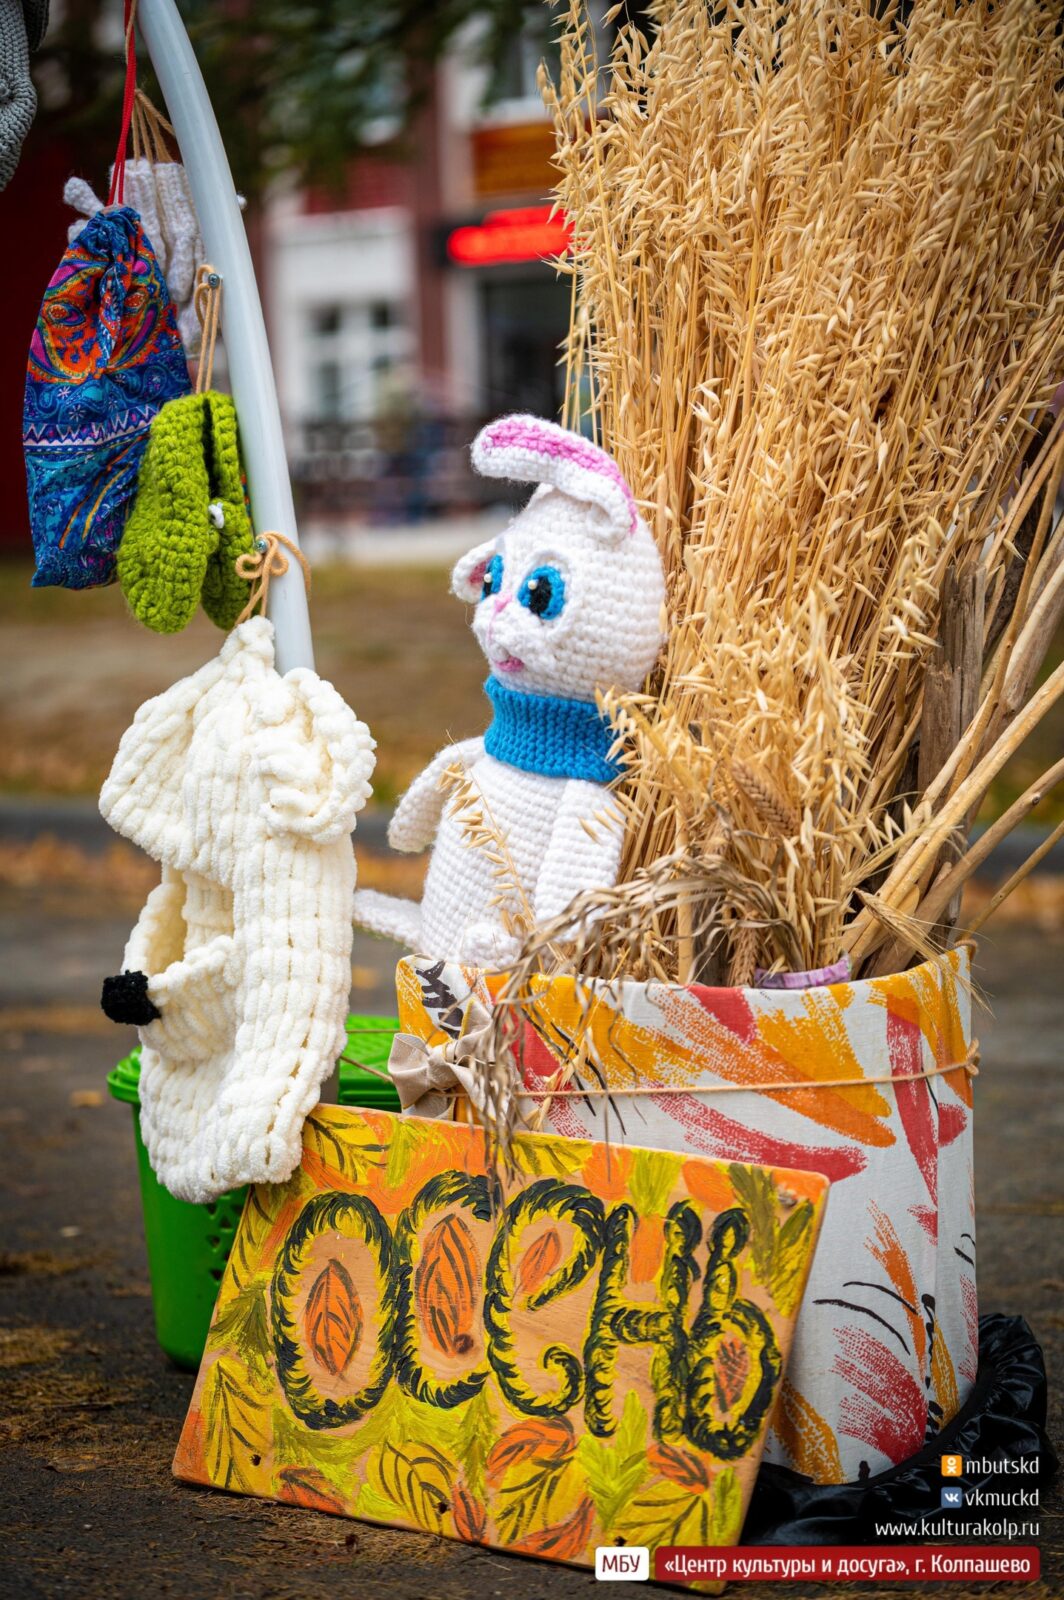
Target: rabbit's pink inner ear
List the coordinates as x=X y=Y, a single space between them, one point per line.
x=475 y=578
x=467 y=579
x=533 y=450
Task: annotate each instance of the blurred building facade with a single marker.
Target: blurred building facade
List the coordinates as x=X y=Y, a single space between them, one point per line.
x=421 y=302
x=402 y=314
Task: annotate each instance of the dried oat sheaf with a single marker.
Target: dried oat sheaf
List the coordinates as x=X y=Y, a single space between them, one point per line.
x=817 y=289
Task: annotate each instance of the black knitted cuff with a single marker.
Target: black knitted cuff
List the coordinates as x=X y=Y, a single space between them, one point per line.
x=125 y=999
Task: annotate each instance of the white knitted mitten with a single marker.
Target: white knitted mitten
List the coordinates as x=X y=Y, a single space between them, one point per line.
x=79 y=193
x=140 y=195
x=180 y=228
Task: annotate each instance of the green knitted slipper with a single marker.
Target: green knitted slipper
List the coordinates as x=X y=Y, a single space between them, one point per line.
x=224 y=594
x=189 y=521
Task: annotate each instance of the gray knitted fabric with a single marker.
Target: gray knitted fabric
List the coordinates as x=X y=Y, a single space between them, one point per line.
x=18 y=100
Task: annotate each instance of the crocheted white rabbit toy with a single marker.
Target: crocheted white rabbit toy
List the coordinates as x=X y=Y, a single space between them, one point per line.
x=569 y=601
x=245 y=786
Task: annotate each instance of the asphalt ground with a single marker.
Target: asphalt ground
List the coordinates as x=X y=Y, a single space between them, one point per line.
x=90 y=1408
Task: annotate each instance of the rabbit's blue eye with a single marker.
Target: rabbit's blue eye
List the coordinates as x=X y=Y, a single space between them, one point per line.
x=543 y=592
x=492 y=577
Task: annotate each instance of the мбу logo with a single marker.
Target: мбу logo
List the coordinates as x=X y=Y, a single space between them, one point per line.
x=626 y=1562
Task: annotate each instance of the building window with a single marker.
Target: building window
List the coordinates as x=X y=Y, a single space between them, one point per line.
x=326 y=320
x=514 y=73
x=512 y=87
x=523 y=322
x=328 y=387
x=354 y=353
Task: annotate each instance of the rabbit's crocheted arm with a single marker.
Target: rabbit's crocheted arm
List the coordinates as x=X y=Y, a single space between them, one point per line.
x=584 y=850
x=417 y=816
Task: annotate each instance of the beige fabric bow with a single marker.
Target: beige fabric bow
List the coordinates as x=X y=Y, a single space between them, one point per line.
x=427 y=1076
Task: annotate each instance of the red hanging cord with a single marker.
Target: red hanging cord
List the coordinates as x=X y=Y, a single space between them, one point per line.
x=116 y=193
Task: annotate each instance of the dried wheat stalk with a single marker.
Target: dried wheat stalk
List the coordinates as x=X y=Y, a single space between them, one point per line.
x=818 y=282
x=604 y=936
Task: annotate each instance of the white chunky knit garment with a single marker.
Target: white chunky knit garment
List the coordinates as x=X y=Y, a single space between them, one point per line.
x=245 y=786
x=569 y=601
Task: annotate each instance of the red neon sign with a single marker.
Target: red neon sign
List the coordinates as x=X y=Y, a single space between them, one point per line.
x=527 y=234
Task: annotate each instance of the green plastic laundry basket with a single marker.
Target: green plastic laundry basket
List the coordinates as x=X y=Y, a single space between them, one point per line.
x=188 y=1246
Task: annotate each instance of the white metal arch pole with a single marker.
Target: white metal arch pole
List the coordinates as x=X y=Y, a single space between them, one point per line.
x=243 y=327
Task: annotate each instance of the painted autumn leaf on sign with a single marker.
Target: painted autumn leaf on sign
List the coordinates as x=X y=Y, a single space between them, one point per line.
x=237 y=1437
x=564 y=1540
x=339 y=1163
x=546 y=1441
x=242 y=1325
x=780 y=1251
x=647 y=1249
x=551 y=1158
x=301 y=1448
x=654 y=1172
x=308 y=1487
x=535 y=1477
x=415 y=1480
x=606 y=1171
x=652 y=1178
x=792 y=1259
x=666 y=1513
x=470 y=1518
x=477 y=1431
x=333 y=1318
x=446 y=1286
x=615 y=1468
x=539 y=1261
x=731 y=1368
x=679 y=1466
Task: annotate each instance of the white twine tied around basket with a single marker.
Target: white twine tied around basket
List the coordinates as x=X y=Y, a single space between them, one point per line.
x=427 y=1077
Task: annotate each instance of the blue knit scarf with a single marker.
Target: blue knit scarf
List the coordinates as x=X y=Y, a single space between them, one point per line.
x=544 y=733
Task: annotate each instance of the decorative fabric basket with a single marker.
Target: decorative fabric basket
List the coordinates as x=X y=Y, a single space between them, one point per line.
x=868 y=1083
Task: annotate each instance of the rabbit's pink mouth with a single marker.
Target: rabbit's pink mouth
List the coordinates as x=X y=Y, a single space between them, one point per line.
x=509 y=664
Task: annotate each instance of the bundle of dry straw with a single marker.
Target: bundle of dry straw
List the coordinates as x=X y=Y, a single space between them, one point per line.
x=817 y=291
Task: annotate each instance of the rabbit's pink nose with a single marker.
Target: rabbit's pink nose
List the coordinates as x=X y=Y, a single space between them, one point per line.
x=501 y=602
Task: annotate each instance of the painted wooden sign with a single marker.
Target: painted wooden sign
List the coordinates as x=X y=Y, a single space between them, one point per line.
x=584 y=1352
